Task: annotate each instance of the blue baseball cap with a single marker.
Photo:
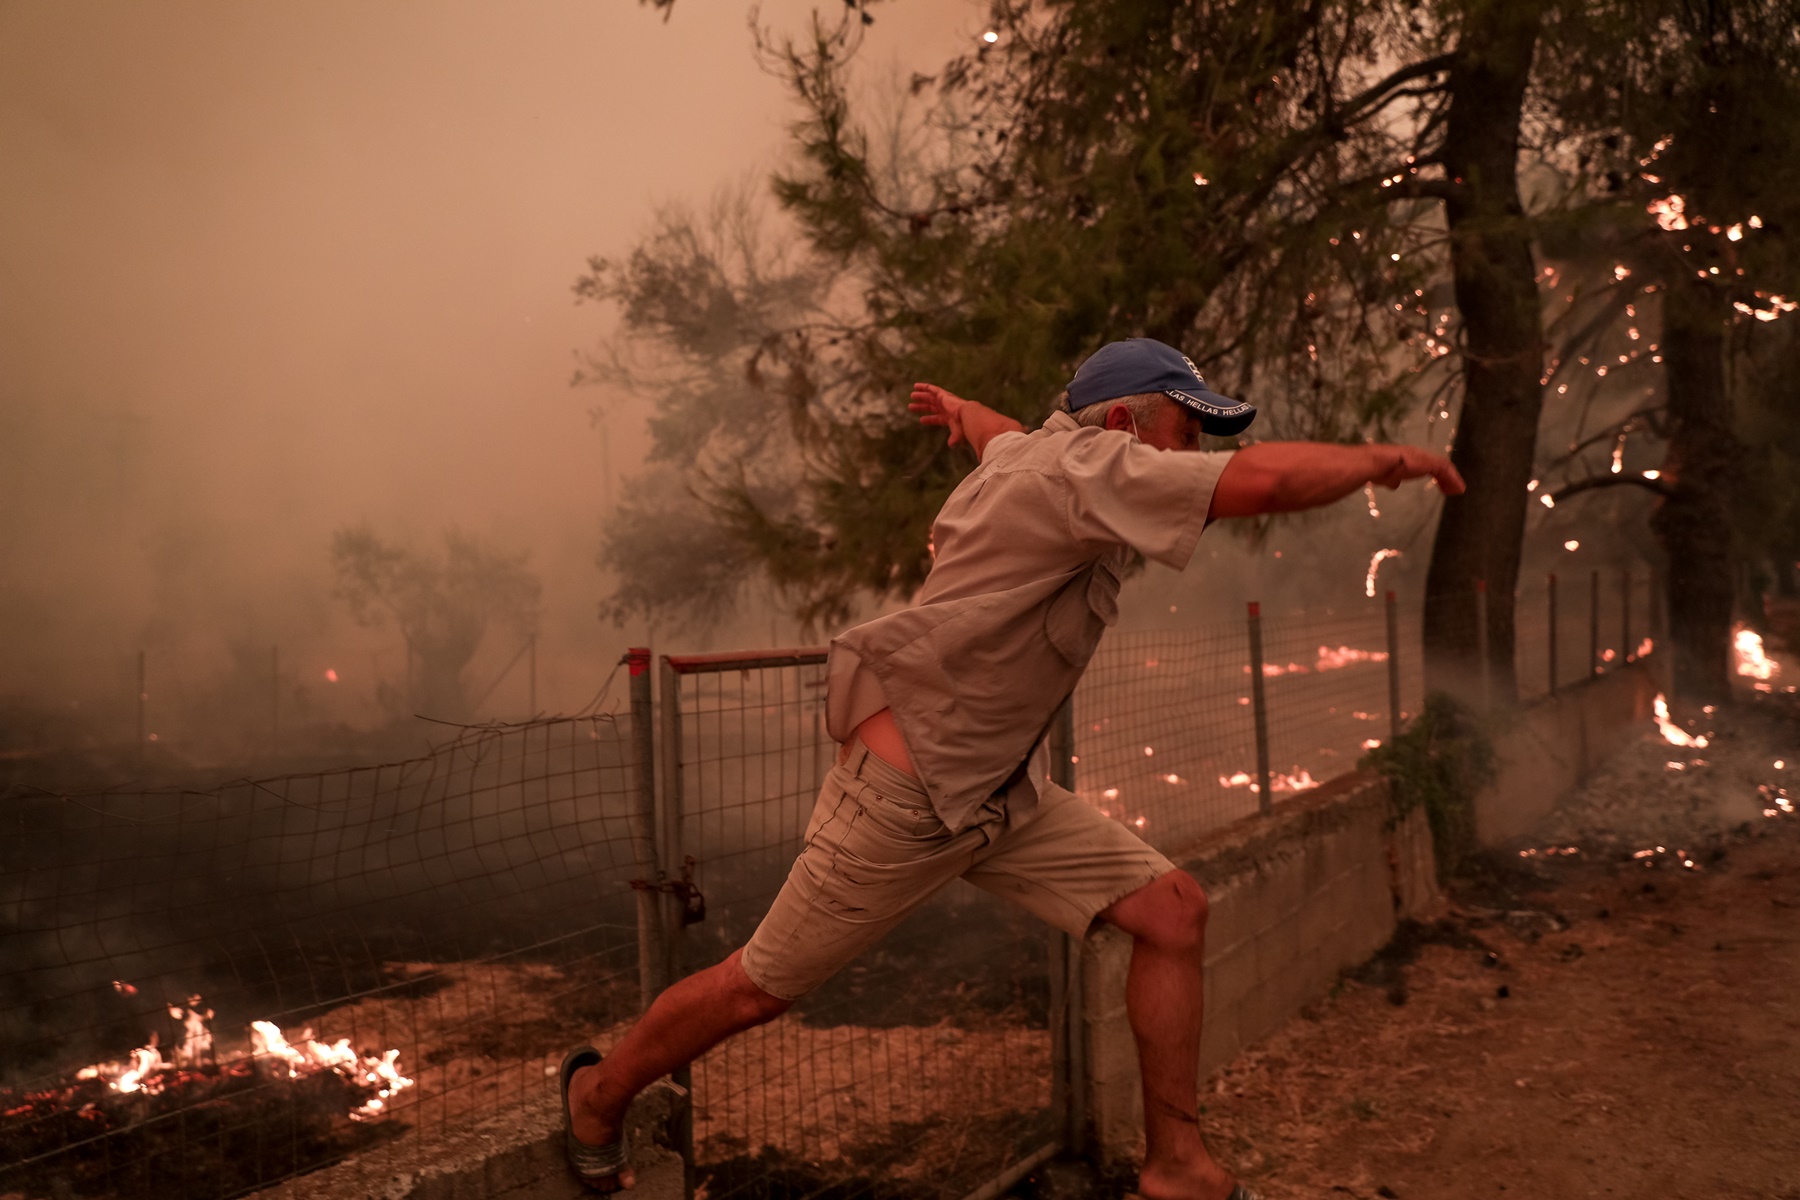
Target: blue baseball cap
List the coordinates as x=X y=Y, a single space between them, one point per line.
x=1139 y=365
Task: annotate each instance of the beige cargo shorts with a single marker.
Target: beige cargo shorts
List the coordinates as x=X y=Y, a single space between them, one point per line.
x=875 y=851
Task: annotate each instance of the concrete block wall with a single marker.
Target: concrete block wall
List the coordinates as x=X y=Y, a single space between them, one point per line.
x=1295 y=898
x=1549 y=748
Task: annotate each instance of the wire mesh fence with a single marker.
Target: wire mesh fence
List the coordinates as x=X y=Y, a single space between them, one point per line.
x=207 y=991
x=203 y=992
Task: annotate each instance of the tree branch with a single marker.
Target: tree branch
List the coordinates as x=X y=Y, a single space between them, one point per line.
x=1606 y=481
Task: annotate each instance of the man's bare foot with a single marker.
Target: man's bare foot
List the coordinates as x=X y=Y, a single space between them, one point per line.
x=1201 y=1179
x=591 y=1125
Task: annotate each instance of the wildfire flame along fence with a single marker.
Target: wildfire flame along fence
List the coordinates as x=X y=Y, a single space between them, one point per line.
x=435 y=933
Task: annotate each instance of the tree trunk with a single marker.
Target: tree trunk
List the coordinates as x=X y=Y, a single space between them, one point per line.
x=1495 y=279
x=1694 y=523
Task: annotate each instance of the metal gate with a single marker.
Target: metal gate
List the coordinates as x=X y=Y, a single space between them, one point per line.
x=928 y=1062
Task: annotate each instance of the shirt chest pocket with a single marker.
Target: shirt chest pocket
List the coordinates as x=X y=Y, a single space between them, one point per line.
x=1081 y=612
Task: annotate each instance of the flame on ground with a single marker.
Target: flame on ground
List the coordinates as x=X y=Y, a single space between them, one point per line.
x=147 y=1071
x=1752 y=662
x=1672 y=733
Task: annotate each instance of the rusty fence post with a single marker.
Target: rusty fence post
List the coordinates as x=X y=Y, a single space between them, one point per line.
x=650 y=942
x=1553 y=633
x=1393 y=650
x=1626 y=649
x=673 y=904
x=1068 y=1042
x=143 y=701
x=1594 y=625
x=1481 y=645
x=1258 y=708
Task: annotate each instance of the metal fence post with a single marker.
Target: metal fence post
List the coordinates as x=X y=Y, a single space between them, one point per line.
x=1393 y=640
x=1625 y=644
x=275 y=699
x=1594 y=624
x=1553 y=633
x=651 y=948
x=1481 y=645
x=143 y=700
x=669 y=833
x=1258 y=708
x=1068 y=1043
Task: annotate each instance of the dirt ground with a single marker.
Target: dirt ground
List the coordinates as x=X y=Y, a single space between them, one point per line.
x=1607 y=1022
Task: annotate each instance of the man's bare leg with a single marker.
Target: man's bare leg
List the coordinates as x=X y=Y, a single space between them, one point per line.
x=687 y=1020
x=1164 y=995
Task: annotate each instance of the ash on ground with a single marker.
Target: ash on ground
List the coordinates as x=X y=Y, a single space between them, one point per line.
x=1678 y=803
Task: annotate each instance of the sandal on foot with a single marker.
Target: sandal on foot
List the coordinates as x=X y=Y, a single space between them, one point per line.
x=592 y=1164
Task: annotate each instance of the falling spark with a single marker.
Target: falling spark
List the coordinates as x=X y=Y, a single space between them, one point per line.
x=1572 y=544
x=1547 y=500
x=1735 y=233
x=1139 y=822
x=1672 y=733
x=990 y=37
x=1380 y=557
x=1645 y=647
x=1110 y=793
x=1369 y=492
x=1172 y=779
x=1201 y=181
x=330 y=675
x=1618 y=455
x=1621 y=272
x=1653 y=475
x=1532 y=486
x=1149 y=751
x=1371 y=743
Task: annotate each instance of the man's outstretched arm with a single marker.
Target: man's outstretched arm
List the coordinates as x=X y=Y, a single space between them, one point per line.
x=1277 y=477
x=966 y=420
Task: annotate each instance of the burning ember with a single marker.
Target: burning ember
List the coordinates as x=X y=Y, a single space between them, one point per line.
x=1752 y=662
x=1672 y=733
x=1347 y=656
x=1298 y=781
x=1331 y=658
x=146 y=1071
x=1380 y=557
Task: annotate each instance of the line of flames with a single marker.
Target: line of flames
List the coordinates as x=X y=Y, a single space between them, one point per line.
x=145 y=1071
x=1331 y=658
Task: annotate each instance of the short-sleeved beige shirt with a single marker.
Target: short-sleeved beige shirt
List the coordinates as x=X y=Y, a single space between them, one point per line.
x=1029 y=553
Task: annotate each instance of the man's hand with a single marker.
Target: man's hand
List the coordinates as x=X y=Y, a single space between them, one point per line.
x=935 y=406
x=1414 y=463
x=967 y=421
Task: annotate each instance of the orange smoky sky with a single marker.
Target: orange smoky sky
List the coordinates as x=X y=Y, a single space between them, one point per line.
x=269 y=269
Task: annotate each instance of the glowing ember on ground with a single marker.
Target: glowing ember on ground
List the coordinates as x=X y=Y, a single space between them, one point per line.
x=1752 y=662
x=1331 y=659
x=1380 y=557
x=1672 y=733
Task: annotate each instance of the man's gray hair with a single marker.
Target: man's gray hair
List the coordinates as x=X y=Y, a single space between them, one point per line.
x=1145 y=407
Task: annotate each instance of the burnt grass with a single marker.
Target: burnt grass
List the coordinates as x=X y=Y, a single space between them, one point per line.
x=218 y=1134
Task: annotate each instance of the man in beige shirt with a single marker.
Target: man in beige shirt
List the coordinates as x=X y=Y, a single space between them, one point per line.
x=942 y=710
